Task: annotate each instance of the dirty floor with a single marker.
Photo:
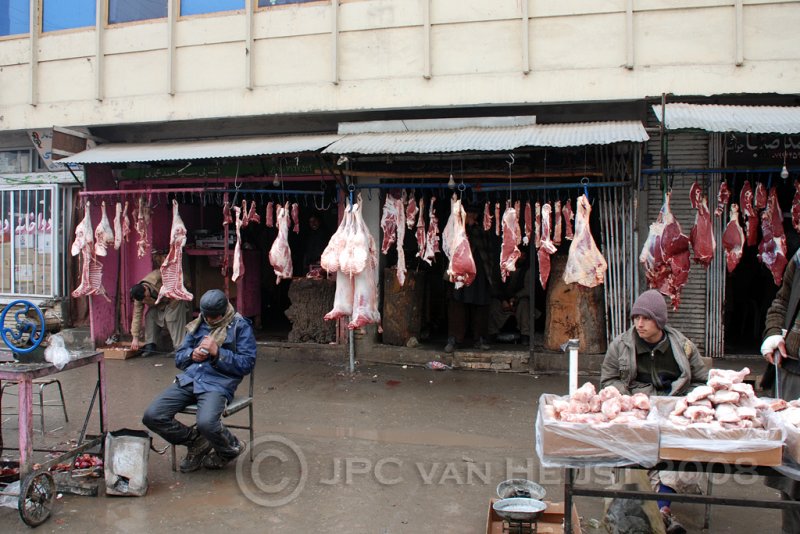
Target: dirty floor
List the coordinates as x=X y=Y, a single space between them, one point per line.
x=386 y=450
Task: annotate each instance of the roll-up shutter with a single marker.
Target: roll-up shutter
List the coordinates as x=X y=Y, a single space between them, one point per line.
x=685 y=150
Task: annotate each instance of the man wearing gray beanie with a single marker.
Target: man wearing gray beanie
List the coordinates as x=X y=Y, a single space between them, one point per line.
x=655 y=359
x=218 y=351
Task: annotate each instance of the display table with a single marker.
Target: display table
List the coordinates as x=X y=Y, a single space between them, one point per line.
x=24 y=374
x=570 y=489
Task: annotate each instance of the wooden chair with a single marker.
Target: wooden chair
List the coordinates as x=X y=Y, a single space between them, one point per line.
x=237 y=404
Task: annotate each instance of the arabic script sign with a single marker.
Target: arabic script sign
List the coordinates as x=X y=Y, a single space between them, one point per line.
x=762 y=149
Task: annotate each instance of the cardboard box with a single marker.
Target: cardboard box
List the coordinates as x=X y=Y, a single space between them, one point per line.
x=550 y=522
x=117 y=351
x=561 y=444
x=741 y=446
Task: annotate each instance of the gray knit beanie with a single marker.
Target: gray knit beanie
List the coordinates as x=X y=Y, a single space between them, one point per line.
x=213 y=303
x=651 y=304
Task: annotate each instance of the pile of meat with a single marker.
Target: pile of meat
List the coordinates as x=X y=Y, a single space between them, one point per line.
x=586 y=405
x=788 y=411
x=724 y=402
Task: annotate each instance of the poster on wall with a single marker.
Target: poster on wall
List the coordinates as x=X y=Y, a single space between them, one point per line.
x=43 y=141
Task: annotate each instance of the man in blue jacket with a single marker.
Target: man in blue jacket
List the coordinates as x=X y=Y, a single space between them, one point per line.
x=218 y=351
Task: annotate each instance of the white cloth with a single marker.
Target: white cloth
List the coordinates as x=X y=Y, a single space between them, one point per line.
x=770 y=344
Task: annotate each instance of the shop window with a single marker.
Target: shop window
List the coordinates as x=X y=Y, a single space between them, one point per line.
x=200 y=7
x=127 y=11
x=67 y=14
x=14 y=17
x=269 y=3
x=15 y=161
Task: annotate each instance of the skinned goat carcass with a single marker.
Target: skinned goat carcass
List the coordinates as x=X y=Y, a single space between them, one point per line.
x=143 y=244
x=172 y=269
x=411 y=212
x=557 y=226
x=566 y=211
x=547 y=247
x=342 y=298
x=401 y=238
x=91 y=282
x=103 y=234
x=84 y=234
x=365 y=296
x=796 y=207
x=528 y=224
x=118 y=226
x=733 y=239
x=393 y=224
x=749 y=213
x=537 y=232
x=329 y=259
x=280 y=255
x=420 y=232
x=702 y=235
x=772 y=249
x=461 y=269
x=487 y=216
x=432 y=237
x=355 y=254
x=665 y=255
x=509 y=253
x=237 y=270
x=585 y=264
x=723 y=197
x=760 y=196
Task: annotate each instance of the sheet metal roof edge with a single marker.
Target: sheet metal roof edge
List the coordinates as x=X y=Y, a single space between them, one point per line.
x=730 y=118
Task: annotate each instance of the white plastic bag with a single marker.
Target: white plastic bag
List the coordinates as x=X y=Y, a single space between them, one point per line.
x=56 y=353
x=10 y=497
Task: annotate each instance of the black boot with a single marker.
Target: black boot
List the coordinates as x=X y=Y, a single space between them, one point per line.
x=451 y=345
x=198 y=448
x=215 y=461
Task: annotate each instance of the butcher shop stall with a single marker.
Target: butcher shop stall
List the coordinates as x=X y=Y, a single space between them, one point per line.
x=247 y=216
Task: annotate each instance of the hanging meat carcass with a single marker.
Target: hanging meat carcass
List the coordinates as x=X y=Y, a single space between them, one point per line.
x=509 y=253
x=760 y=198
x=238 y=262
x=497 y=219
x=520 y=226
x=432 y=236
x=329 y=260
x=723 y=197
x=355 y=254
x=772 y=249
x=280 y=256
x=750 y=214
x=393 y=224
x=702 y=235
x=126 y=223
x=226 y=222
x=118 y=226
x=411 y=212
x=296 y=218
x=537 y=232
x=172 y=269
x=269 y=219
x=547 y=247
x=796 y=207
x=585 y=265
x=665 y=255
x=103 y=234
x=487 y=216
x=91 y=269
x=733 y=239
x=557 y=230
x=567 y=213
x=455 y=245
x=244 y=215
x=401 y=237
x=84 y=235
x=142 y=216
x=528 y=224
x=365 y=283
x=252 y=215
x=343 y=298
x=421 y=234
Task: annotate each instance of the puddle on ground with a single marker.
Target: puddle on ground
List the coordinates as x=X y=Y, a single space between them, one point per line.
x=408 y=436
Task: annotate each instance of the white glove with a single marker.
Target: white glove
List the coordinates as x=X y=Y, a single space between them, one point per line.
x=770 y=344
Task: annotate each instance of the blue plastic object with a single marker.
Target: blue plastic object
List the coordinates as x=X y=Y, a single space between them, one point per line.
x=24 y=326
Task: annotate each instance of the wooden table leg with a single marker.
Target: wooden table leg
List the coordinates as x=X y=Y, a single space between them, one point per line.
x=25 y=400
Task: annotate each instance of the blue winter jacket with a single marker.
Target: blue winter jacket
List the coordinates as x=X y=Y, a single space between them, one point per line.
x=236 y=359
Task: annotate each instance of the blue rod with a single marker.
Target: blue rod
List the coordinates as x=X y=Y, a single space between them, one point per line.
x=711 y=171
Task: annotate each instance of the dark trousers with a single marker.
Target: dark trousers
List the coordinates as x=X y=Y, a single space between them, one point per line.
x=460 y=314
x=160 y=418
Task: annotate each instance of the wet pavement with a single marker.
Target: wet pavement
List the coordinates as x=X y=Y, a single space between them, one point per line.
x=386 y=450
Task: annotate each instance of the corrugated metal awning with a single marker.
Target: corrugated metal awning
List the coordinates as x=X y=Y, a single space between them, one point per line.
x=189 y=150
x=722 y=118
x=489 y=139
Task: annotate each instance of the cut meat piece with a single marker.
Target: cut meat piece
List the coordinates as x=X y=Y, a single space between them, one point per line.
x=497 y=219
x=411 y=212
x=142 y=225
x=172 y=269
x=420 y=231
x=727 y=413
x=432 y=237
x=733 y=239
x=749 y=214
x=537 y=232
x=796 y=207
x=117 y=226
x=252 y=215
x=702 y=235
x=461 y=269
x=509 y=253
x=243 y=215
x=585 y=264
x=557 y=231
x=487 y=216
x=567 y=213
x=723 y=197
x=760 y=198
x=269 y=219
x=103 y=234
x=528 y=224
x=547 y=247
x=665 y=255
x=772 y=249
x=238 y=262
x=698 y=393
x=280 y=255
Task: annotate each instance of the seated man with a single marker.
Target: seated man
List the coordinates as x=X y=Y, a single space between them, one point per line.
x=218 y=351
x=512 y=299
x=655 y=359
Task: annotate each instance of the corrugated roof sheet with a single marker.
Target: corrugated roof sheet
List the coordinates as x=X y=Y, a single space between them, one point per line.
x=490 y=139
x=216 y=148
x=721 y=118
